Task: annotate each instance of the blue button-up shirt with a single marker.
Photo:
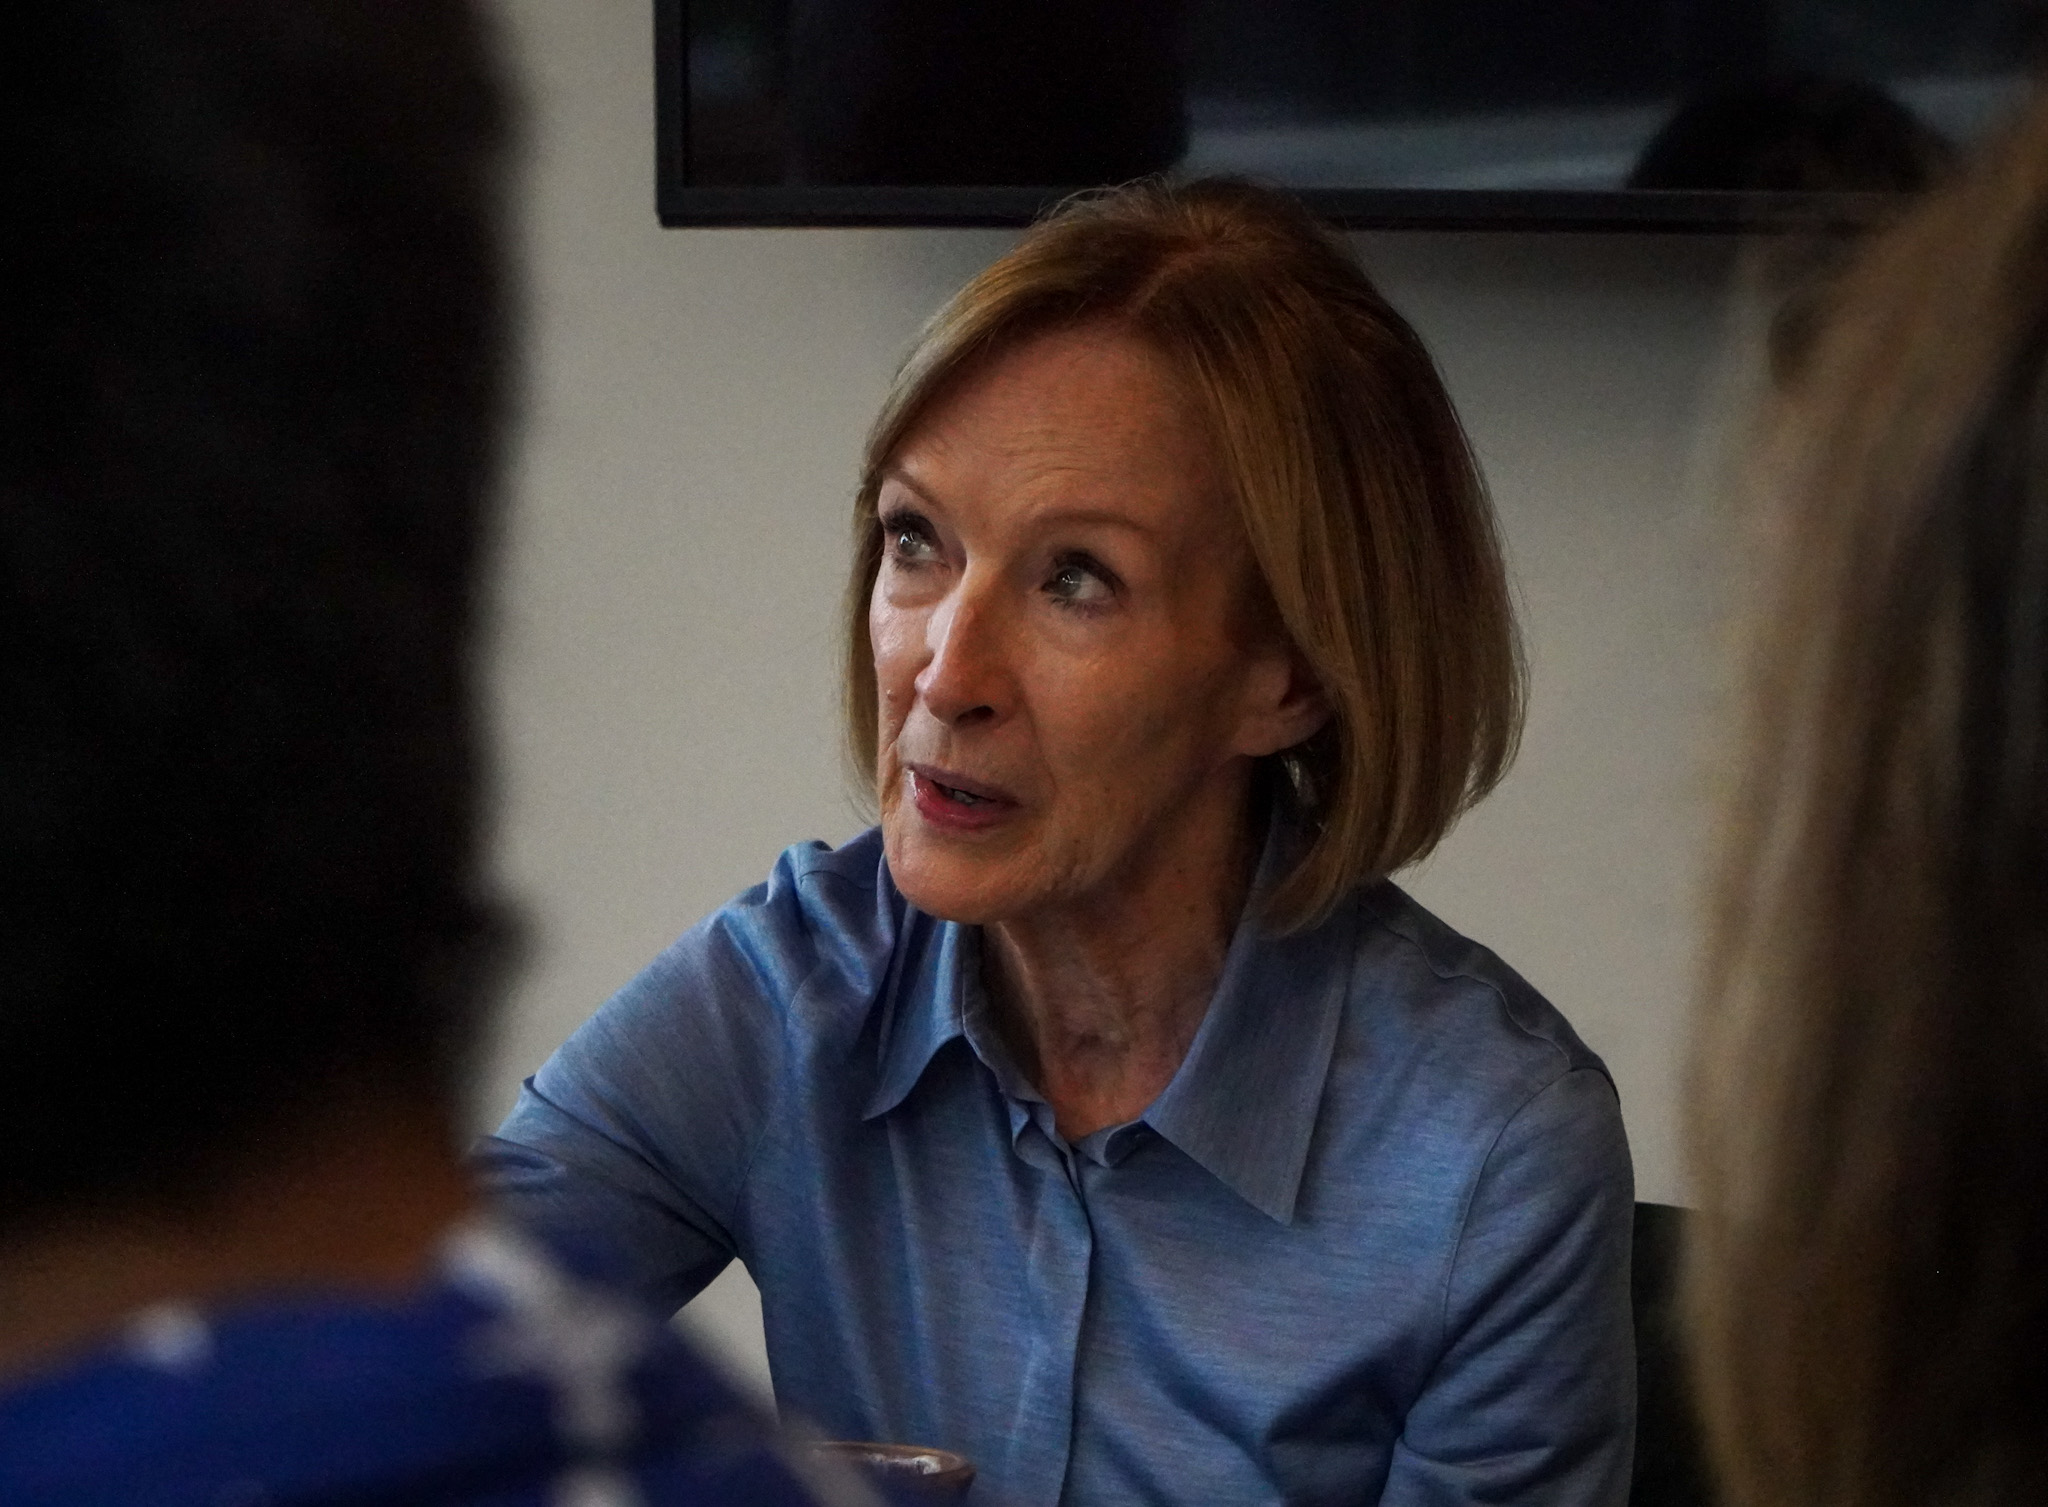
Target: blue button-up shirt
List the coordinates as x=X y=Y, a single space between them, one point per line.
x=1370 y=1244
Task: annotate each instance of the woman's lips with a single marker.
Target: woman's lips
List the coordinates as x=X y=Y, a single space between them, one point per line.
x=955 y=803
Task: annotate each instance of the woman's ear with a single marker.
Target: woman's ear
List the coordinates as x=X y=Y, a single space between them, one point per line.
x=1284 y=704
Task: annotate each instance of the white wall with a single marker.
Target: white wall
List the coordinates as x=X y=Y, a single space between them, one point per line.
x=665 y=680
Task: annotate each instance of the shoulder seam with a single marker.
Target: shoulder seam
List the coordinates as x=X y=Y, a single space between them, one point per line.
x=807 y=867
x=1472 y=1191
x=743 y=1195
x=1500 y=998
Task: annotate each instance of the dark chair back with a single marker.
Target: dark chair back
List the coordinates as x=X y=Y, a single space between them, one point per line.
x=1670 y=1468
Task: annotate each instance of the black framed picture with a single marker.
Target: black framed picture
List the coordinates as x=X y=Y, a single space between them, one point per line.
x=1678 y=114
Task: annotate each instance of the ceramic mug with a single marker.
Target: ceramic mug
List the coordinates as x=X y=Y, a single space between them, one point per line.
x=907 y=1472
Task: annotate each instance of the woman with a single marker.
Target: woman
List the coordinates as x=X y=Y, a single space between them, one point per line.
x=1106 y=1115
x=1871 y=1125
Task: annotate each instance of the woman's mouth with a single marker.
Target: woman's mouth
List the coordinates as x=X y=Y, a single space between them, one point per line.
x=956 y=803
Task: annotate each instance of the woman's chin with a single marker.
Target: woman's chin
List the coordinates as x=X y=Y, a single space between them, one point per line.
x=972 y=889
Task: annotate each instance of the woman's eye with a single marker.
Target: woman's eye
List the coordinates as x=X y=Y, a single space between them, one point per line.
x=910 y=539
x=1080 y=583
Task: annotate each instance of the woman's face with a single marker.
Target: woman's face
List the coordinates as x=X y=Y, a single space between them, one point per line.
x=1072 y=687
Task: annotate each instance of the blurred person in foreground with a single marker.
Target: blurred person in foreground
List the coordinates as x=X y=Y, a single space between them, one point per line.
x=1870 y=1285
x=253 y=372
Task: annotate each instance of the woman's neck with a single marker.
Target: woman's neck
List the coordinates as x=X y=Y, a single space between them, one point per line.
x=359 y=1201
x=1100 y=998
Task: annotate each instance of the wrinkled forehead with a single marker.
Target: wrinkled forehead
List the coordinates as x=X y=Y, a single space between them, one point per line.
x=1087 y=418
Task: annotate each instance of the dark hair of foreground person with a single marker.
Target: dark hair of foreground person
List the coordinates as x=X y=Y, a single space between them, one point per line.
x=1871 y=1090
x=249 y=403
x=1371 y=532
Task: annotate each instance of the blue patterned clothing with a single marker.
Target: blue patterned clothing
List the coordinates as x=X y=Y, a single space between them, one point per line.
x=505 y=1383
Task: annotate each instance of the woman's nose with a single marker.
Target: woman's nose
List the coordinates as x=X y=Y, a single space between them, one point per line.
x=964 y=681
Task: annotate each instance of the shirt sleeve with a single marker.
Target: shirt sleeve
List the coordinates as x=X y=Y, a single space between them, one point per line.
x=633 y=1141
x=1533 y=1399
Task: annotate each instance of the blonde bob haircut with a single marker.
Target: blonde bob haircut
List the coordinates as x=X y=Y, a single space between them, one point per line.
x=1372 y=533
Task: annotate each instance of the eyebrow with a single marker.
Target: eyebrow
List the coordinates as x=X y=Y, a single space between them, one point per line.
x=897 y=475
x=1100 y=517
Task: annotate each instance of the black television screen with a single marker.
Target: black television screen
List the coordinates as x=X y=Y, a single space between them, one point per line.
x=1579 y=112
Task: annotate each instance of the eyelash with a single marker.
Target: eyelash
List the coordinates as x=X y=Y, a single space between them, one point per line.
x=895 y=526
x=1088 y=565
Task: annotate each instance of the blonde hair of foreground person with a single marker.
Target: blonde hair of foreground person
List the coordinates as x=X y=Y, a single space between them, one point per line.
x=1371 y=529
x=1869 y=1285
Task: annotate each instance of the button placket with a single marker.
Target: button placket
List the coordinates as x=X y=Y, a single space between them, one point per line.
x=1078 y=1171
x=1061 y=1259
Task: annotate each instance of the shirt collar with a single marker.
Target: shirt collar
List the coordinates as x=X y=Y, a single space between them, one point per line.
x=926 y=995
x=1244 y=1102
